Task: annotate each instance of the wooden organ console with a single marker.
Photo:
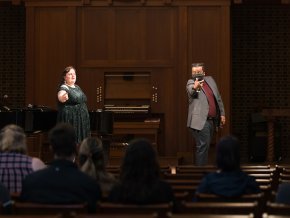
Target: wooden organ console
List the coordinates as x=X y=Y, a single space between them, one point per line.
x=127 y=96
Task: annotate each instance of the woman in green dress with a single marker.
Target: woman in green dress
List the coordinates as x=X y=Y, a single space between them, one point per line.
x=72 y=106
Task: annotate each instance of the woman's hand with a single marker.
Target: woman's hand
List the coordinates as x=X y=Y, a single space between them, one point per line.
x=62 y=96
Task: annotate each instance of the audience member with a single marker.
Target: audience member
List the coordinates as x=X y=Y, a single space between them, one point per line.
x=283 y=196
x=229 y=180
x=92 y=162
x=5 y=200
x=62 y=182
x=15 y=164
x=139 y=177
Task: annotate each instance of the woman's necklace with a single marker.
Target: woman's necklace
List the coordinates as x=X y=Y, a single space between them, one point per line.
x=72 y=86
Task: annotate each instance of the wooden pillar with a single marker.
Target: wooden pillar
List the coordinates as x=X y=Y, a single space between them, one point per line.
x=270 y=146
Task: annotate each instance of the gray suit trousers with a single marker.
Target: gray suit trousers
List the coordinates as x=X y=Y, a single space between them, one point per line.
x=202 y=140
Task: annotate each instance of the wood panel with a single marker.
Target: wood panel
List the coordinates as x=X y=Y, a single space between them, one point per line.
x=96 y=36
x=129 y=34
x=123 y=36
x=92 y=83
x=53 y=49
x=161 y=34
x=166 y=91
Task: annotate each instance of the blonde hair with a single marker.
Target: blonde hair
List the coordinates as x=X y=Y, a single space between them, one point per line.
x=13 y=139
x=91 y=157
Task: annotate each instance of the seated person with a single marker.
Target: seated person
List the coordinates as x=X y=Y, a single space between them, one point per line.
x=15 y=164
x=283 y=193
x=229 y=180
x=5 y=200
x=61 y=182
x=140 y=181
x=92 y=162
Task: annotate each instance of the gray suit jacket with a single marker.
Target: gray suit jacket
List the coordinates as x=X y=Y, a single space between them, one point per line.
x=198 y=105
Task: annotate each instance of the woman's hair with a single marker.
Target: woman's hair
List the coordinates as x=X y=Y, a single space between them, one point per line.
x=228 y=156
x=13 y=139
x=140 y=170
x=91 y=157
x=64 y=72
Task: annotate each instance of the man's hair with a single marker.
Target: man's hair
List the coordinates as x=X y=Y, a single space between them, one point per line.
x=228 y=156
x=13 y=139
x=62 y=139
x=197 y=65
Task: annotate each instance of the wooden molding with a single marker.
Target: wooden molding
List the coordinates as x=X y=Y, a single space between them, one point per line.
x=285 y=2
x=16 y=2
x=167 y=2
x=86 y=2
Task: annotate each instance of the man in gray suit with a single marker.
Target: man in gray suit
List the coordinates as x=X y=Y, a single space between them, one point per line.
x=205 y=110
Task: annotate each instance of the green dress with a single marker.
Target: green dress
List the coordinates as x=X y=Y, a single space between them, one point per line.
x=75 y=111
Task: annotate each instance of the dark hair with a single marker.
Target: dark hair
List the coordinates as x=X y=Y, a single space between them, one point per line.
x=63 y=140
x=64 y=72
x=197 y=65
x=228 y=157
x=140 y=171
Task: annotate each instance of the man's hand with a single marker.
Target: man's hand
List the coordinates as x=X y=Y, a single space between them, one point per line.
x=198 y=84
x=223 y=120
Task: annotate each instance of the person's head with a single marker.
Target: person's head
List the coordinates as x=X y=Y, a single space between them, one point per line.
x=140 y=162
x=62 y=139
x=228 y=156
x=197 y=68
x=13 y=139
x=91 y=157
x=69 y=76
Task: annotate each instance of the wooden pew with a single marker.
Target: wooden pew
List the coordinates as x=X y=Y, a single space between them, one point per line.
x=266 y=215
x=253 y=166
x=212 y=168
x=161 y=210
x=129 y=215
x=67 y=210
x=176 y=182
x=211 y=216
x=277 y=209
x=202 y=197
x=285 y=176
x=259 y=198
x=31 y=216
x=238 y=208
x=196 y=176
x=184 y=188
x=15 y=196
x=205 y=167
x=114 y=169
x=259 y=171
x=183 y=196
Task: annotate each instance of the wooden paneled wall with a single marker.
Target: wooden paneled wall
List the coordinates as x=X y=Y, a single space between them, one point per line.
x=162 y=37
